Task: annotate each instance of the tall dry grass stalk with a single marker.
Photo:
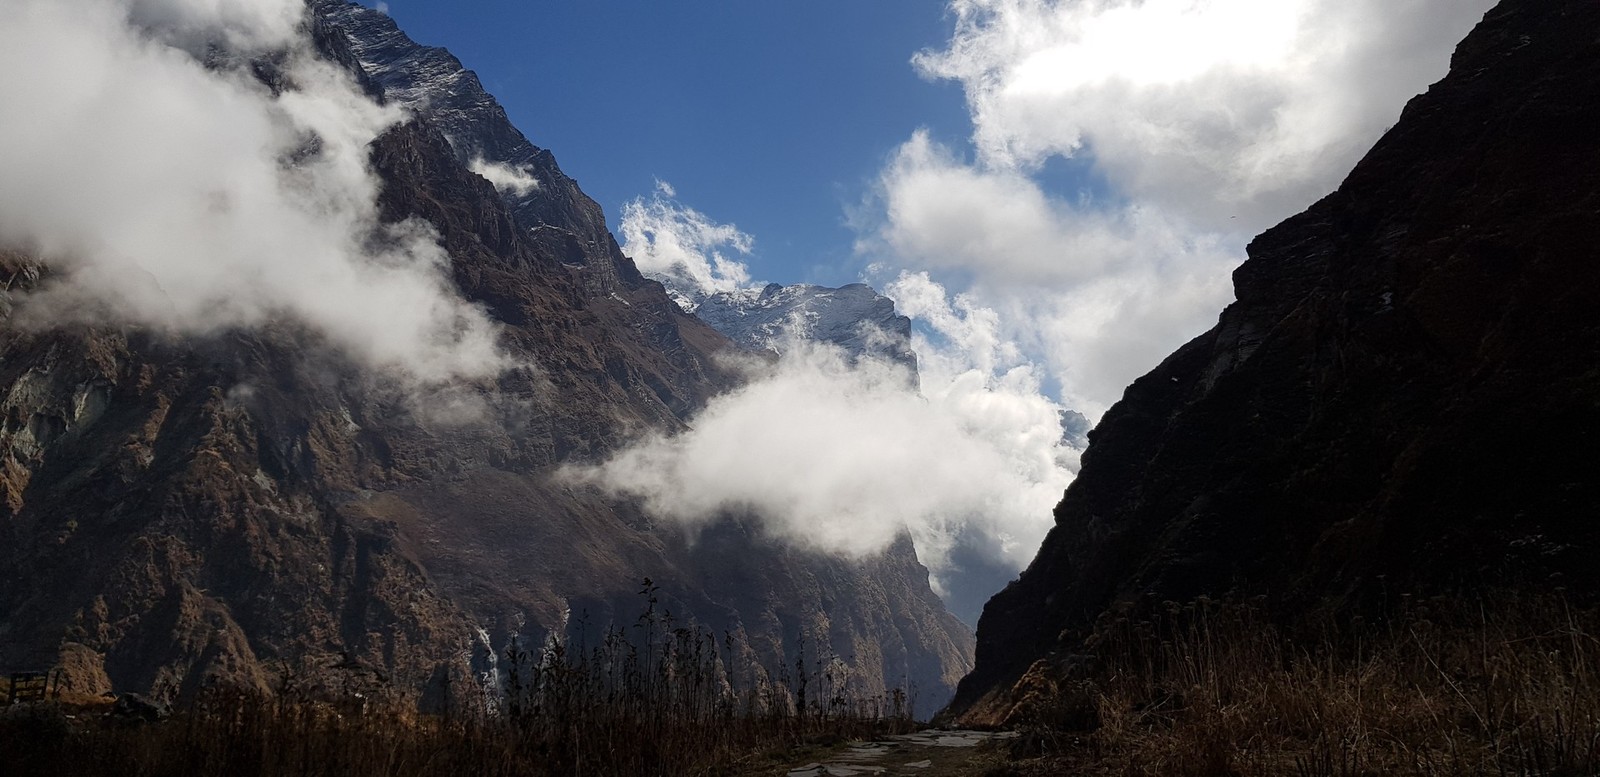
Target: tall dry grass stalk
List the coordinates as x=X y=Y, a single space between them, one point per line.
x=1505 y=685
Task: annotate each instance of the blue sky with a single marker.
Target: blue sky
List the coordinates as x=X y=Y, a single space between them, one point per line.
x=770 y=116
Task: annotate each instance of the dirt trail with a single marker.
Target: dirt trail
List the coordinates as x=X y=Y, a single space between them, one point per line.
x=924 y=753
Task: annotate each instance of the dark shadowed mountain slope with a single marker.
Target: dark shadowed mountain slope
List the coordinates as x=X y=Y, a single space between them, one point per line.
x=1406 y=394
x=176 y=511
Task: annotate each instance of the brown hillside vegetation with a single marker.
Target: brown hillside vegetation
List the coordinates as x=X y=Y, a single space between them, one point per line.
x=650 y=699
x=1447 y=686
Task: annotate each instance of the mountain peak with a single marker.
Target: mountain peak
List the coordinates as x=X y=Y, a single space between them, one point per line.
x=853 y=317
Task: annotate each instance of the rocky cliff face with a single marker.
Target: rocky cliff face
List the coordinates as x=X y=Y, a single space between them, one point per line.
x=433 y=84
x=1404 y=396
x=183 y=511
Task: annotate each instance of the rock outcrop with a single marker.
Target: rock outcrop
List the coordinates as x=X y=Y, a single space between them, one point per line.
x=1405 y=395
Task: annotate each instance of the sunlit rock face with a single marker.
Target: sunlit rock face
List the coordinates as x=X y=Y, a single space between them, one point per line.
x=1404 y=395
x=182 y=510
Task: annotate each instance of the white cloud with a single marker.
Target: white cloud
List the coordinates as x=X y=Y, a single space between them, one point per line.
x=241 y=25
x=1201 y=123
x=1248 y=108
x=1097 y=295
x=506 y=178
x=940 y=213
x=837 y=454
x=192 y=199
x=683 y=247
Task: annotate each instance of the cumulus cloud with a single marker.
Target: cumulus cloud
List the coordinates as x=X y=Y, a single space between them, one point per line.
x=507 y=178
x=1214 y=109
x=1095 y=294
x=1199 y=123
x=943 y=214
x=682 y=247
x=175 y=194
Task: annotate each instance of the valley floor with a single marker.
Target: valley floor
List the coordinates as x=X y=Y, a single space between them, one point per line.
x=929 y=753
x=1436 y=686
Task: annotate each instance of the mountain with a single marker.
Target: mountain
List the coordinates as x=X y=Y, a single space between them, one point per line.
x=1404 y=396
x=250 y=505
x=853 y=317
x=563 y=221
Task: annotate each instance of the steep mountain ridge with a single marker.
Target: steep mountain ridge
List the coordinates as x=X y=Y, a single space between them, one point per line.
x=185 y=511
x=1403 y=397
x=432 y=83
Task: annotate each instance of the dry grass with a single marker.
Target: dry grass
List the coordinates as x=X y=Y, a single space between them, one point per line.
x=1443 y=687
x=651 y=699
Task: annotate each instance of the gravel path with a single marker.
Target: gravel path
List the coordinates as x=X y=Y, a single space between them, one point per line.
x=925 y=753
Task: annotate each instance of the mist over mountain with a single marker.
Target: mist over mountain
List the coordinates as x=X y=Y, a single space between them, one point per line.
x=803 y=324
x=854 y=426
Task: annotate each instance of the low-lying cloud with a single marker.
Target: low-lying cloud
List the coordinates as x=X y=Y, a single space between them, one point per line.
x=179 y=193
x=836 y=454
x=840 y=452
x=508 y=179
